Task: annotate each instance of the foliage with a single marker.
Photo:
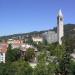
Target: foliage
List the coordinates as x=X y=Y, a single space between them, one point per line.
x=12 y=54
x=59 y=51
x=42 y=57
x=16 y=68
x=72 y=67
x=30 y=41
x=30 y=54
x=4 y=68
x=64 y=62
x=44 y=67
x=41 y=69
x=20 y=68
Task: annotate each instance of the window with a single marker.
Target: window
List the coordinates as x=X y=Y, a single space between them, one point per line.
x=2 y=54
x=60 y=19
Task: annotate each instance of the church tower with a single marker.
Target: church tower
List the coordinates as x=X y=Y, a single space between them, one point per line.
x=60 y=24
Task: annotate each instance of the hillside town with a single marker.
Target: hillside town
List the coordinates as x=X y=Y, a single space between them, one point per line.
x=50 y=37
x=32 y=48
x=21 y=44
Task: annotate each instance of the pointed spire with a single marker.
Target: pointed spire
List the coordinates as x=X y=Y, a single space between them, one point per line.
x=60 y=13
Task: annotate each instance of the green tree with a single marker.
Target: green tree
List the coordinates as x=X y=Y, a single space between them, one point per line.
x=44 y=67
x=63 y=59
x=30 y=54
x=30 y=41
x=72 y=67
x=16 y=68
x=41 y=68
x=59 y=51
x=12 y=54
x=4 y=68
x=45 y=42
x=20 y=68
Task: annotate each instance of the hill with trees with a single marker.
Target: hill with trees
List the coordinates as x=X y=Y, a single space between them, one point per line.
x=69 y=30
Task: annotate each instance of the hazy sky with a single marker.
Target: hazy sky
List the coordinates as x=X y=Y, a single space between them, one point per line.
x=19 y=16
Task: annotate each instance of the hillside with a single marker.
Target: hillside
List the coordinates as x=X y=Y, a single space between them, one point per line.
x=24 y=35
x=69 y=29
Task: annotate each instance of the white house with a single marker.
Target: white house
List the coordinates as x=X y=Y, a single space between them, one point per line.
x=37 y=39
x=3 y=50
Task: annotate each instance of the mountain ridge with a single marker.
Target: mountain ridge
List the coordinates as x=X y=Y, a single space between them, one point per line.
x=69 y=29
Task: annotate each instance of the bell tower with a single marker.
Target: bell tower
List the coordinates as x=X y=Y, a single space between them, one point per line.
x=60 y=24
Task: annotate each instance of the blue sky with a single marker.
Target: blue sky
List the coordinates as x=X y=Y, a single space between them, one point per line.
x=19 y=16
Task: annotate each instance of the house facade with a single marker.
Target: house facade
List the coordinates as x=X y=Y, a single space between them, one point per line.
x=3 y=50
x=37 y=39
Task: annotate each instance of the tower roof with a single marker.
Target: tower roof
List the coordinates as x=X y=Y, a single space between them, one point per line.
x=60 y=13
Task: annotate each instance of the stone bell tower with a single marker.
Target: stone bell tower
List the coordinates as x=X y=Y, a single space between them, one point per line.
x=60 y=24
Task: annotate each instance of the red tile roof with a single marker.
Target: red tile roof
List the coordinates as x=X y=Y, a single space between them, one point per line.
x=3 y=47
